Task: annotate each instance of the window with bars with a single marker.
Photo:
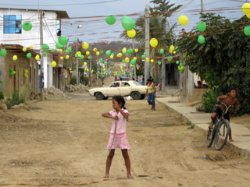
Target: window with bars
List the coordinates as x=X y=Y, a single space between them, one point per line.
x=12 y=24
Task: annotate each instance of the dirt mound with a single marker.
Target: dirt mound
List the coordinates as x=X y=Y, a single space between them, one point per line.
x=53 y=92
x=76 y=88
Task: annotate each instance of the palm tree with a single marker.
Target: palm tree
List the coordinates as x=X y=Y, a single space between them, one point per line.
x=158 y=28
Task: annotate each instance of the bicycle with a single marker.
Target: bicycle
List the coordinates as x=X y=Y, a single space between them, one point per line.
x=221 y=130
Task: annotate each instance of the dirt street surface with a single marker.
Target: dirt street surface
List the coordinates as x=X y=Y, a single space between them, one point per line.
x=63 y=143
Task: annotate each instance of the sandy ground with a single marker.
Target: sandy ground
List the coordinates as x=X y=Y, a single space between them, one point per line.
x=63 y=143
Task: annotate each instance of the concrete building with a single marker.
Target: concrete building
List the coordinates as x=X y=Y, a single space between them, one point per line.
x=11 y=32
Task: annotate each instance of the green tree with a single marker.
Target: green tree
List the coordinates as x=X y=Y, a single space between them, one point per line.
x=223 y=61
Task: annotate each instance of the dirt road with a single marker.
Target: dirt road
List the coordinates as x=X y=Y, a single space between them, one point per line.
x=63 y=143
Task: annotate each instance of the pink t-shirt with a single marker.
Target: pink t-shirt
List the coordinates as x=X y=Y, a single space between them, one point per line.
x=121 y=122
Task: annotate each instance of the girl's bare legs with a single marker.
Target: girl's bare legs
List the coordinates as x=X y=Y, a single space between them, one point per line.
x=127 y=162
x=109 y=162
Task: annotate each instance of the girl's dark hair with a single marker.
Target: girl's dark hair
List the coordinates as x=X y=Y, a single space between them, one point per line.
x=120 y=100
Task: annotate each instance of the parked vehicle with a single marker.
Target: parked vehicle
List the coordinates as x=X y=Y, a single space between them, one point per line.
x=122 y=88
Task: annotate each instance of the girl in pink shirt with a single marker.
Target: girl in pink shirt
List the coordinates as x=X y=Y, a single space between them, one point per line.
x=118 y=135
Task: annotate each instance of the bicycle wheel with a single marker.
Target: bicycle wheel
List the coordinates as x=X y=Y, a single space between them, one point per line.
x=210 y=137
x=221 y=135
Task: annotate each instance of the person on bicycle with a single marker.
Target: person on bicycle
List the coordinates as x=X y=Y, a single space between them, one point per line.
x=223 y=102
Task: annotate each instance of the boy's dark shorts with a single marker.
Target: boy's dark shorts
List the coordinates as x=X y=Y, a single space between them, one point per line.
x=219 y=112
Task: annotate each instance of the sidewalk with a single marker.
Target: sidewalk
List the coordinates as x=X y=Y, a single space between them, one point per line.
x=241 y=134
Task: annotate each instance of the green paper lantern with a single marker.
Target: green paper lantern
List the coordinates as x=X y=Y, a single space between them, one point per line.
x=133 y=62
x=63 y=40
x=81 y=57
x=247 y=30
x=162 y=51
x=59 y=45
x=69 y=50
x=201 y=39
x=110 y=20
x=90 y=57
x=12 y=72
x=105 y=62
x=177 y=62
x=130 y=51
x=3 y=52
x=143 y=56
x=100 y=60
x=28 y=55
x=27 y=26
x=45 y=47
x=201 y=26
x=108 y=52
x=181 y=67
x=128 y=23
x=159 y=62
x=170 y=58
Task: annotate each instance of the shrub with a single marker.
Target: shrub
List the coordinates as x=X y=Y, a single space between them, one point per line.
x=15 y=99
x=73 y=80
x=209 y=100
x=1 y=95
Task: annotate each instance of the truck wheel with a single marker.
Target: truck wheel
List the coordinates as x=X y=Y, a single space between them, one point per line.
x=136 y=95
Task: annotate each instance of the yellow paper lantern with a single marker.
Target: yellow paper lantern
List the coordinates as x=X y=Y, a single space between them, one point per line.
x=85 y=45
x=53 y=64
x=14 y=57
x=124 y=50
x=174 y=52
x=171 y=49
x=87 y=53
x=79 y=53
x=26 y=73
x=248 y=16
x=246 y=8
x=131 y=33
x=85 y=63
x=37 y=57
x=97 y=53
x=60 y=50
x=111 y=57
x=147 y=59
x=127 y=59
x=67 y=57
x=95 y=49
x=61 y=58
x=135 y=58
x=119 y=55
x=183 y=20
x=24 y=49
x=136 y=50
x=31 y=47
x=152 y=60
x=153 y=42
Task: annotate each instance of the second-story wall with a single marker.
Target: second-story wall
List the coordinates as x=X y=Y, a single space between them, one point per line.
x=32 y=37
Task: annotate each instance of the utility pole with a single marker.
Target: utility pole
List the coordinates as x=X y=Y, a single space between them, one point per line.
x=90 y=72
x=41 y=53
x=147 y=47
x=202 y=6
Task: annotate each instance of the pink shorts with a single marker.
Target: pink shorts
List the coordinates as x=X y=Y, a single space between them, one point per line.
x=118 y=141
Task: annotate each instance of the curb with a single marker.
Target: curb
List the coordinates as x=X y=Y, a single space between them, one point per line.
x=243 y=152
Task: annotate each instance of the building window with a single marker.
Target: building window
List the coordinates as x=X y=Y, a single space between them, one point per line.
x=12 y=24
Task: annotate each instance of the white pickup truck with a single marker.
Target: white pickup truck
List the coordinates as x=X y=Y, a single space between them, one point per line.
x=122 y=88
